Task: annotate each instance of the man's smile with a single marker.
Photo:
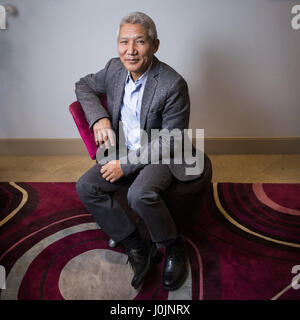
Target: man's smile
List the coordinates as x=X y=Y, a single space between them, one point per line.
x=132 y=60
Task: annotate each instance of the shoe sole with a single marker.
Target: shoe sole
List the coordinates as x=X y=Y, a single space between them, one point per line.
x=151 y=255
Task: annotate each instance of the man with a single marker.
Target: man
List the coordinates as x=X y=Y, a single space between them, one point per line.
x=142 y=93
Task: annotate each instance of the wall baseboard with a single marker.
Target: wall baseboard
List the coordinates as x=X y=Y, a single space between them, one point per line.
x=290 y=145
x=244 y=145
x=42 y=147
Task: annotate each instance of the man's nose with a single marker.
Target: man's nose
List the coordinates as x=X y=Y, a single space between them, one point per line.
x=131 y=48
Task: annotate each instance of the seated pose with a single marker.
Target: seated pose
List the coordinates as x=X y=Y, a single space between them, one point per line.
x=143 y=93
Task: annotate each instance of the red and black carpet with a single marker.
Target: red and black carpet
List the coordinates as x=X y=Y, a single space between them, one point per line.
x=245 y=245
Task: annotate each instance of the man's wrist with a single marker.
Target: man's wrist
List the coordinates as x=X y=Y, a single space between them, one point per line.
x=98 y=119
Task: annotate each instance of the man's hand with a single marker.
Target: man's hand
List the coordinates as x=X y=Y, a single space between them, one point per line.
x=112 y=171
x=103 y=132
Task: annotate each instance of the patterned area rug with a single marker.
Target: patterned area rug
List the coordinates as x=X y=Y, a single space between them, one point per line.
x=245 y=245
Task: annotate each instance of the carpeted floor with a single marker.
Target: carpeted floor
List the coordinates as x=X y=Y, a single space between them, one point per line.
x=244 y=246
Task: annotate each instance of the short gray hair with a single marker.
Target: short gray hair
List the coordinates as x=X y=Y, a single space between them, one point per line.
x=144 y=20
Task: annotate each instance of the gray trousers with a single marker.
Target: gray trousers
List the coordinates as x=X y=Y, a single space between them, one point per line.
x=143 y=197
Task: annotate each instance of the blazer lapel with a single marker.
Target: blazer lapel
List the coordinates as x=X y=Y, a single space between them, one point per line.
x=118 y=96
x=149 y=91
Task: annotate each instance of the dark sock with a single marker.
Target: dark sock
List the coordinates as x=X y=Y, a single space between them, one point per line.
x=170 y=242
x=131 y=241
x=135 y=235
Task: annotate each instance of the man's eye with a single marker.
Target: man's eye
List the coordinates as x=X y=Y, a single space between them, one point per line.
x=124 y=42
x=141 y=41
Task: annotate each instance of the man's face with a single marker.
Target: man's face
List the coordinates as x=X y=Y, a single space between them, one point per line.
x=136 y=48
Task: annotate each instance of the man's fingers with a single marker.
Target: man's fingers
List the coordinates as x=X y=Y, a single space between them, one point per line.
x=104 y=168
x=100 y=137
x=96 y=137
x=103 y=132
x=106 y=174
x=109 y=171
x=111 y=137
x=108 y=137
x=105 y=138
x=109 y=178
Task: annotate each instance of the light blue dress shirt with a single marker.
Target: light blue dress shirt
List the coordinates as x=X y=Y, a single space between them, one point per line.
x=131 y=109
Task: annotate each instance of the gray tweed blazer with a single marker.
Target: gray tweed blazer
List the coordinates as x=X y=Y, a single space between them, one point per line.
x=165 y=104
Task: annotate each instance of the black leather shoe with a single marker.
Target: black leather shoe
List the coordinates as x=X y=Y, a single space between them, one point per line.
x=140 y=261
x=175 y=266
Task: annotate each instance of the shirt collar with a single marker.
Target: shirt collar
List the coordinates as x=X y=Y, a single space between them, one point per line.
x=141 y=78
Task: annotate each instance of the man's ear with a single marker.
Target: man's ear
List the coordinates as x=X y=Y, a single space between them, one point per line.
x=156 y=45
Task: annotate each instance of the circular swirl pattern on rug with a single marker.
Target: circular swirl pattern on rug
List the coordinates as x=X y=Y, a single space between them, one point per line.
x=96 y=274
x=63 y=254
x=247 y=211
x=243 y=246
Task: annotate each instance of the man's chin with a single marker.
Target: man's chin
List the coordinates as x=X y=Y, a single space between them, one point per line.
x=132 y=68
